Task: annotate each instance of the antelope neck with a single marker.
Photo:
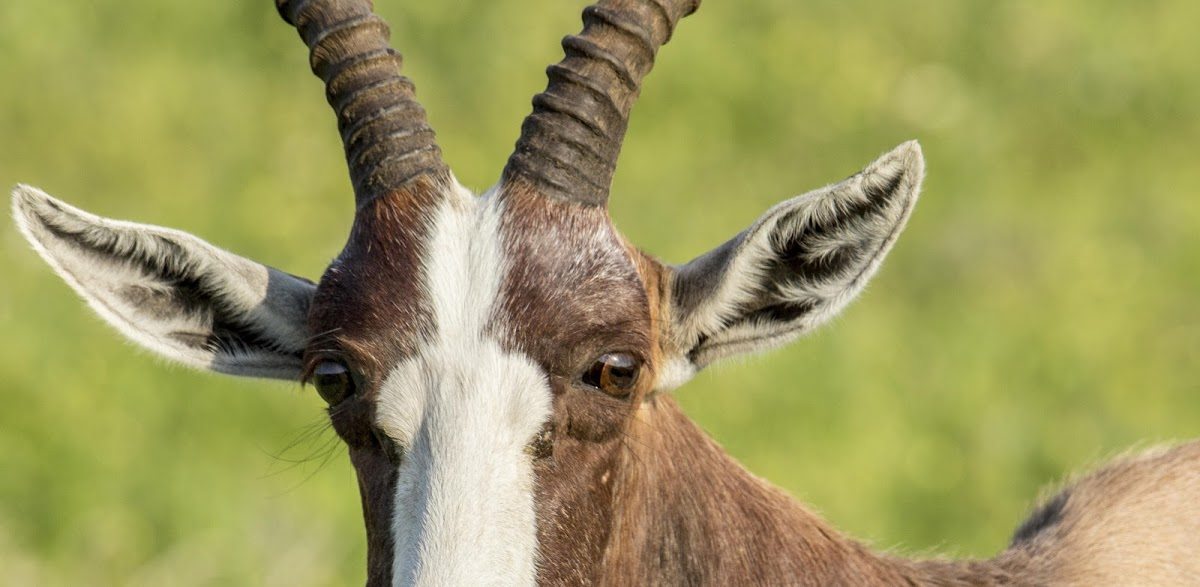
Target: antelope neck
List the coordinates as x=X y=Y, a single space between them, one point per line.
x=675 y=509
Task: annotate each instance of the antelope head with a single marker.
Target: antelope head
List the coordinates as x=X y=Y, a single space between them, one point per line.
x=484 y=357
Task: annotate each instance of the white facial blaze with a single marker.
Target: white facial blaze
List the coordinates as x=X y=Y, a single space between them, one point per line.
x=464 y=411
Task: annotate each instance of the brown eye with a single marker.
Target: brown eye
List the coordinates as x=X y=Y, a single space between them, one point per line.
x=613 y=373
x=333 y=381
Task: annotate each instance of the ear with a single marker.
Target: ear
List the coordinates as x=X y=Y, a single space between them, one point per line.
x=172 y=292
x=796 y=267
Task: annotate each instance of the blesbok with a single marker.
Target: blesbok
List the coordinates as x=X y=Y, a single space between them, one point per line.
x=500 y=366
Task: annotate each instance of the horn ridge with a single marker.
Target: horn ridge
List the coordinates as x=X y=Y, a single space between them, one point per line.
x=385 y=131
x=569 y=144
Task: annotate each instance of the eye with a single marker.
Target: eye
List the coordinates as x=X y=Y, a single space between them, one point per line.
x=613 y=373
x=333 y=381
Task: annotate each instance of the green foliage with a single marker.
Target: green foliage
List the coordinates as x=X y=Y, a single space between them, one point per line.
x=1039 y=313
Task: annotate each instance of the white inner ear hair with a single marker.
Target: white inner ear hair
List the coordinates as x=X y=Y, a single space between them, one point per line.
x=135 y=277
x=748 y=276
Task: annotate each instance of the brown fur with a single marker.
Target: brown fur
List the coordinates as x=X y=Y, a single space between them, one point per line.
x=571 y=292
x=660 y=503
x=369 y=312
x=596 y=303
x=1136 y=518
x=683 y=513
x=629 y=491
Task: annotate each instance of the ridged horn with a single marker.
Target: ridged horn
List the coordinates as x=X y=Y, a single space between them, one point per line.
x=387 y=137
x=569 y=145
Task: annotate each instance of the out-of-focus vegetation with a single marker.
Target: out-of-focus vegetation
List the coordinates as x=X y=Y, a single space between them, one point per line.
x=1039 y=313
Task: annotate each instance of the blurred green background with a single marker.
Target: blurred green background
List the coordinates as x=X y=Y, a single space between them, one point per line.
x=1039 y=313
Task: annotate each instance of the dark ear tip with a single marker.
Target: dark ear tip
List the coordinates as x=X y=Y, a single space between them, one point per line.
x=23 y=195
x=898 y=172
x=31 y=205
x=41 y=217
x=25 y=201
x=912 y=158
x=911 y=147
x=906 y=158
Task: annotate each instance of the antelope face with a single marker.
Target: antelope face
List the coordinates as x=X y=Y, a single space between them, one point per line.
x=484 y=357
x=468 y=357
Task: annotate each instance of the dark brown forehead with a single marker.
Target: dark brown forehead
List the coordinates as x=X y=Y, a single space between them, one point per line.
x=371 y=303
x=571 y=287
x=370 y=309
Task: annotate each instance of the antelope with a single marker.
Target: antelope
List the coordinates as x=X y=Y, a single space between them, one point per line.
x=500 y=366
